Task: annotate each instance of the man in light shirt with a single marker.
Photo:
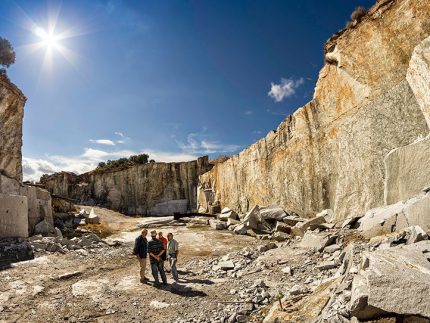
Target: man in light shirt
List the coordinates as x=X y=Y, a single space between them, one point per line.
x=172 y=255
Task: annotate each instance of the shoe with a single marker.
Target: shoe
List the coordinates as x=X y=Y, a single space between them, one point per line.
x=165 y=283
x=175 y=281
x=156 y=284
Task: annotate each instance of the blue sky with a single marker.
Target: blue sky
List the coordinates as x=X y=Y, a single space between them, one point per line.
x=175 y=79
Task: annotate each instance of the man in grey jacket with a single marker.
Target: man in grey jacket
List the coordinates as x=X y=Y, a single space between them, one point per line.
x=172 y=255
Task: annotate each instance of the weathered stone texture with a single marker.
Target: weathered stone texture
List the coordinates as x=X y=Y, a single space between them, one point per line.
x=149 y=189
x=330 y=153
x=37 y=202
x=13 y=216
x=418 y=76
x=12 y=103
x=407 y=168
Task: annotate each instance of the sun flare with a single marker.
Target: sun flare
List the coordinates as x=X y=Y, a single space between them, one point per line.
x=47 y=38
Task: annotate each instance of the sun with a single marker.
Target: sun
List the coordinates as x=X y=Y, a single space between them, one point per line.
x=48 y=39
x=51 y=37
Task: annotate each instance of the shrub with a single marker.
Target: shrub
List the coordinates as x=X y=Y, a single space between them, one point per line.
x=358 y=13
x=7 y=54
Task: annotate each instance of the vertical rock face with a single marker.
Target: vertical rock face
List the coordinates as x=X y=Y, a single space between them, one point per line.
x=149 y=189
x=21 y=206
x=12 y=103
x=330 y=153
x=407 y=168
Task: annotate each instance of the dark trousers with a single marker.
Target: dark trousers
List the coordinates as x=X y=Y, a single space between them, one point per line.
x=158 y=267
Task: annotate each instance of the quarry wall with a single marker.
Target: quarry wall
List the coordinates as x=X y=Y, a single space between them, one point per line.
x=330 y=153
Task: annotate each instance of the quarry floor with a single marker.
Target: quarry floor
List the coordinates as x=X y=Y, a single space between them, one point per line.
x=106 y=287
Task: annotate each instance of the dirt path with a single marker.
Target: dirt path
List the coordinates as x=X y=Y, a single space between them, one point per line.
x=107 y=287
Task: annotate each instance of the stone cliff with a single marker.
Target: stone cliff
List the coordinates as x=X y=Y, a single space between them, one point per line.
x=12 y=103
x=148 y=189
x=21 y=206
x=330 y=153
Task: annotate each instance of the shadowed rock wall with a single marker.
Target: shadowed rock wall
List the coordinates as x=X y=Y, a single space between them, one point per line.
x=149 y=189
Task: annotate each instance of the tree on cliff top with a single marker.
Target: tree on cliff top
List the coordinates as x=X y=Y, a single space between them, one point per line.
x=7 y=54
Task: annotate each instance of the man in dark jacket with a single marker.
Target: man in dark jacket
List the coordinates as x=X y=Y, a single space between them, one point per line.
x=141 y=251
x=156 y=250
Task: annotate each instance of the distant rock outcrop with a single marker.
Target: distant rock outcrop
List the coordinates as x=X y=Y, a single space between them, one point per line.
x=330 y=153
x=145 y=189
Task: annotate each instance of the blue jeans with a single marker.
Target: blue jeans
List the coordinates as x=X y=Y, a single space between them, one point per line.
x=172 y=262
x=158 y=267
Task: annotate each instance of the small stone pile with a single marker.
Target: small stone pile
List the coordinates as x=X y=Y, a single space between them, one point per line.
x=385 y=276
x=270 y=222
x=64 y=245
x=14 y=250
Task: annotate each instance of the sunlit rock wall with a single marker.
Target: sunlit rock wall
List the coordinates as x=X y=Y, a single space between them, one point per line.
x=330 y=152
x=12 y=103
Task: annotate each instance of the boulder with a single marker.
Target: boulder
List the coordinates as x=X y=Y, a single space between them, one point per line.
x=252 y=218
x=272 y=213
x=217 y=225
x=228 y=215
x=287 y=270
x=328 y=214
x=226 y=210
x=58 y=233
x=415 y=234
x=396 y=217
x=326 y=265
x=301 y=227
x=292 y=220
x=404 y=271
x=317 y=241
x=83 y=213
x=231 y=222
x=93 y=218
x=282 y=227
x=280 y=236
x=350 y=222
x=44 y=228
x=241 y=229
x=226 y=265
x=332 y=248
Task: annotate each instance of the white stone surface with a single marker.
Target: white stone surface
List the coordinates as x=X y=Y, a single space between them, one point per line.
x=13 y=216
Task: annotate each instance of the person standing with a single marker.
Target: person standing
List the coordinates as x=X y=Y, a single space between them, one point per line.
x=172 y=255
x=156 y=250
x=141 y=252
x=164 y=241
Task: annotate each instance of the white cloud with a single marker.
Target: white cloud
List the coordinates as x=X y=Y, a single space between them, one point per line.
x=286 y=88
x=118 y=133
x=34 y=168
x=249 y=112
x=103 y=142
x=94 y=154
x=198 y=143
x=120 y=141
